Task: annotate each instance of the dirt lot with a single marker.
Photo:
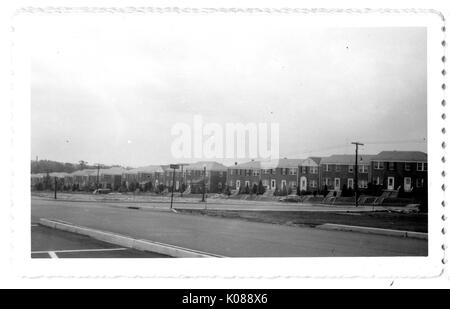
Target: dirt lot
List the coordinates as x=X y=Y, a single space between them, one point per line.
x=388 y=220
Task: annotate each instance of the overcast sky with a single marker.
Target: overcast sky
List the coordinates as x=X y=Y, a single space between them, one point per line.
x=109 y=89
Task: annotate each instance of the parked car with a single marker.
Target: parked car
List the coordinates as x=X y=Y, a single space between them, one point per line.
x=102 y=191
x=293 y=198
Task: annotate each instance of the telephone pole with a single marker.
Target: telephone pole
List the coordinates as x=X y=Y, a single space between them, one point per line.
x=56 y=186
x=355 y=181
x=98 y=174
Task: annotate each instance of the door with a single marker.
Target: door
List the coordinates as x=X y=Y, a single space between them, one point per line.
x=407 y=184
x=303 y=183
x=273 y=184
x=238 y=184
x=350 y=183
x=337 y=184
x=391 y=183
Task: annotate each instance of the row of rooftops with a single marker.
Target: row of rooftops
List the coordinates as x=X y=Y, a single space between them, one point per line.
x=339 y=159
x=342 y=159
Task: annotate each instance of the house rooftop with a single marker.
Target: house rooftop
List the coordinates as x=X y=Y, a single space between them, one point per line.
x=345 y=159
x=145 y=169
x=117 y=170
x=401 y=156
x=269 y=164
x=85 y=172
x=210 y=166
x=247 y=165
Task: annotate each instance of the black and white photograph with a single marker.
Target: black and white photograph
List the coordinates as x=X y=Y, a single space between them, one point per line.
x=248 y=143
x=210 y=139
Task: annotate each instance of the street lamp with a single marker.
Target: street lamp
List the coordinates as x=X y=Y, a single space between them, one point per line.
x=204 y=176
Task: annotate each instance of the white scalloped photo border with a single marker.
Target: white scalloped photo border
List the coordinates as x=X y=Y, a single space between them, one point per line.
x=236 y=268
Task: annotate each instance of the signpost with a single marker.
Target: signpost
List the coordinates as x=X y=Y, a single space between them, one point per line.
x=56 y=186
x=174 y=167
x=355 y=182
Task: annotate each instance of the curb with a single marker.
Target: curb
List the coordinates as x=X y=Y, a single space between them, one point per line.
x=372 y=230
x=128 y=242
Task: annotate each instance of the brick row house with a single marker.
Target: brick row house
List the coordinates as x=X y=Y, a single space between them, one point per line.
x=391 y=170
x=144 y=175
x=338 y=171
x=400 y=169
x=309 y=174
x=212 y=174
x=275 y=174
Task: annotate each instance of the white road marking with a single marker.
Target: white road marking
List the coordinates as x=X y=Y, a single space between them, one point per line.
x=52 y=254
x=79 y=250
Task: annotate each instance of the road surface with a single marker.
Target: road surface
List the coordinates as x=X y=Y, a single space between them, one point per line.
x=50 y=243
x=212 y=204
x=227 y=237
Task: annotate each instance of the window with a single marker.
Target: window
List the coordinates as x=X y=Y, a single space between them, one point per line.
x=220 y=174
x=338 y=168
x=266 y=171
x=313 y=183
x=303 y=169
x=377 y=181
x=313 y=169
x=407 y=167
x=265 y=183
x=378 y=165
x=327 y=167
x=391 y=166
x=256 y=173
x=293 y=184
x=292 y=171
x=350 y=183
x=421 y=166
x=362 y=183
x=283 y=171
x=363 y=169
x=350 y=168
x=419 y=182
x=231 y=172
x=337 y=183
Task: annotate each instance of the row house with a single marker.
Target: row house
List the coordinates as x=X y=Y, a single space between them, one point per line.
x=83 y=178
x=244 y=175
x=400 y=169
x=210 y=174
x=274 y=174
x=167 y=177
x=144 y=175
x=309 y=174
x=111 y=178
x=339 y=170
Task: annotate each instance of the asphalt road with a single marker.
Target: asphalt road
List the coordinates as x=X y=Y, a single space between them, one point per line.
x=227 y=237
x=51 y=243
x=213 y=204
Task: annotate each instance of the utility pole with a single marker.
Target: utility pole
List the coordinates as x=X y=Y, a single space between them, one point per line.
x=56 y=186
x=174 y=167
x=182 y=179
x=204 y=176
x=98 y=174
x=355 y=184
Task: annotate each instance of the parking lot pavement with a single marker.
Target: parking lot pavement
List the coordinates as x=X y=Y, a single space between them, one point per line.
x=51 y=243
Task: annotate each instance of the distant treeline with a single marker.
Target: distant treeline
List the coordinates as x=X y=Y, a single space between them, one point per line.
x=47 y=166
